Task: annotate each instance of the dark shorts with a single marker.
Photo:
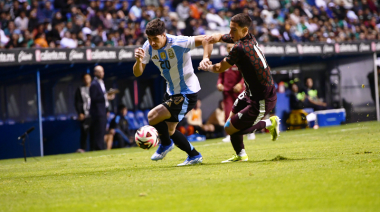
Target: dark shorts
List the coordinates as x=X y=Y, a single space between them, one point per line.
x=179 y=105
x=249 y=112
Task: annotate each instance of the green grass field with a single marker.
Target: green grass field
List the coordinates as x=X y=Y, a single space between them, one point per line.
x=330 y=169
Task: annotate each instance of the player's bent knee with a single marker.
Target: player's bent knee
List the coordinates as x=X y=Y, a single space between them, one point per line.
x=151 y=116
x=229 y=128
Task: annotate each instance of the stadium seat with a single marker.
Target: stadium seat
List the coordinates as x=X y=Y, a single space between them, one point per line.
x=146 y=113
x=131 y=118
x=141 y=119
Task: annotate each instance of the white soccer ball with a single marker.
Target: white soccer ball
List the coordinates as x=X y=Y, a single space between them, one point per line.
x=146 y=137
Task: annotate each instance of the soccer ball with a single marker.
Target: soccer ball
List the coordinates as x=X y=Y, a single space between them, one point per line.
x=146 y=137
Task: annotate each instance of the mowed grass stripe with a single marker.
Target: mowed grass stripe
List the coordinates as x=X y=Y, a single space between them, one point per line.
x=329 y=169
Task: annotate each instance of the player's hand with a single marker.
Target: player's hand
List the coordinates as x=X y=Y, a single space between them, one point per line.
x=220 y=87
x=237 y=88
x=204 y=64
x=139 y=54
x=210 y=39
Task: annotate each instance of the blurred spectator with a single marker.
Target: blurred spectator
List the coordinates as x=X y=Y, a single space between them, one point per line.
x=312 y=99
x=57 y=19
x=21 y=21
x=183 y=10
x=195 y=122
x=46 y=13
x=214 y=20
x=55 y=33
x=108 y=137
x=125 y=8
x=33 y=20
x=135 y=12
x=99 y=103
x=3 y=38
x=40 y=40
x=15 y=10
x=11 y=29
x=82 y=106
x=216 y=121
x=296 y=99
x=273 y=20
x=119 y=128
x=67 y=41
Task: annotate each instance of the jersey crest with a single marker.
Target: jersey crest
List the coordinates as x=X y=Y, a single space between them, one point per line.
x=163 y=55
x=171 y=53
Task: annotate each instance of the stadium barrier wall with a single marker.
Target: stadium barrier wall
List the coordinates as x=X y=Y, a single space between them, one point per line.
x=126 y=54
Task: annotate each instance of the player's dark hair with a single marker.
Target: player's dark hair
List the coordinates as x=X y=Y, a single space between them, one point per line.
x=121 y=107
x=85 y=74
x=242 y=19
x=155 y=27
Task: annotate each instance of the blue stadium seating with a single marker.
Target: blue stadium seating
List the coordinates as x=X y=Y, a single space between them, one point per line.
x=133 y=124
x=141 y=118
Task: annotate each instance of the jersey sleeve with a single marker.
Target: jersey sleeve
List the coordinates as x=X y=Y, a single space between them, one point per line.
x=148 y=51
x=227 y=38
x=233 y=56
x=187 y=43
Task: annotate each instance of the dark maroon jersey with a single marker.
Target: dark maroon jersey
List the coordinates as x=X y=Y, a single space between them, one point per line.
x=247 y=56
x=230 y=78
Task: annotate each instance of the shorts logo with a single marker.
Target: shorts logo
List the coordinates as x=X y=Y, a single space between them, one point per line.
x=169 y=102
x=155 y=57
x=163 y=55
x=171 y=53
x=240 y=115
x=178 y=99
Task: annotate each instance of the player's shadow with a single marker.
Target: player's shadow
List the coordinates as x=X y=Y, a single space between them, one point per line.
x=278 y=158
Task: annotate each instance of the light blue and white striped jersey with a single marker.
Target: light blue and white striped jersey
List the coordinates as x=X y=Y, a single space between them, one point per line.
x=174 y=62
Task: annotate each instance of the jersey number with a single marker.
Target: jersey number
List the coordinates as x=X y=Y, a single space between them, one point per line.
x=165 y=64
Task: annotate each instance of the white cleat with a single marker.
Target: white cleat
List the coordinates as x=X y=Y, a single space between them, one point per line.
x=192 y=160
x=251 y=136
x=227 y=139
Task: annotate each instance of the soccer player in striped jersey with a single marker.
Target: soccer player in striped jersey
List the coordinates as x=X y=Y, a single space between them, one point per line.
x=259 y=97
x=171 y=56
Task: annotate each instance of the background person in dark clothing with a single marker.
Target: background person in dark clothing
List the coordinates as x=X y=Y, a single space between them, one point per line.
x=371 y=80
x=296 y=99
x=99 y=103
x=119 y=128
x=82 y=106
x=312 y=100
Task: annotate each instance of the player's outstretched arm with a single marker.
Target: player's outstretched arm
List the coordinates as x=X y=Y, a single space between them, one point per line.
x=138 y=67
x=219 y=67
x=207 y=47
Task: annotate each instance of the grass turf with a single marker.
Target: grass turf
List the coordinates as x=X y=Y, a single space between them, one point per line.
x=330 y=169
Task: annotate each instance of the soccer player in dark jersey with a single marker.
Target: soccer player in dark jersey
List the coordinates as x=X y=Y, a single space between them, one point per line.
x=259 y=97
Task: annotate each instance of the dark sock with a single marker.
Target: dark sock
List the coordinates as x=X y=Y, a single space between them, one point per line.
x=181 y=142
x=237 y=142
x=259 y=126
x=162 y=129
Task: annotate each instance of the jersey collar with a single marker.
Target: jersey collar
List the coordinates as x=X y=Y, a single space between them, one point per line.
x=166 y=44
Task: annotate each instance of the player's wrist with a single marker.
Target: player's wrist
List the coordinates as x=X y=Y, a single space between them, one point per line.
x=210 y=68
